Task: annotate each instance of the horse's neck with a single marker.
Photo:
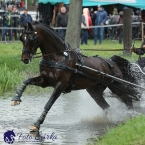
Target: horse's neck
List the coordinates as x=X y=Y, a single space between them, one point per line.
x=52 y=56
x=51 y=42
x=47 y=48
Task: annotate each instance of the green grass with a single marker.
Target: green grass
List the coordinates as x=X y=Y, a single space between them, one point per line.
x=111 y=45
x=13 y=71
x=132 y=132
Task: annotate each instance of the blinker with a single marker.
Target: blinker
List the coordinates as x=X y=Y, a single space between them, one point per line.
x=31 y=39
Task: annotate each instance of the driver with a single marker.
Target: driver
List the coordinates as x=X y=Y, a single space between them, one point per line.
x=139 y=51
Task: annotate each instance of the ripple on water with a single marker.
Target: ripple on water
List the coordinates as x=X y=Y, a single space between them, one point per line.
x=74 y=117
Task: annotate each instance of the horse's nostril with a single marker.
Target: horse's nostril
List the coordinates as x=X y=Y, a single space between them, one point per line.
x=26 y=61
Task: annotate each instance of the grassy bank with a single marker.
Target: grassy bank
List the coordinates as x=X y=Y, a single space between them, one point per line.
x=132 y=132
x=13 y=72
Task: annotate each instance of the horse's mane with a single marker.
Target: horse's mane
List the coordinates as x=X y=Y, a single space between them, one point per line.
x=47 y=28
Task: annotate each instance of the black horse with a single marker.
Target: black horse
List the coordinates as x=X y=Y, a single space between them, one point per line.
x=58 y=69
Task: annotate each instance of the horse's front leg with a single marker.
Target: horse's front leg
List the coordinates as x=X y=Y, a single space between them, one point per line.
x=56 y=93
x=37 y=81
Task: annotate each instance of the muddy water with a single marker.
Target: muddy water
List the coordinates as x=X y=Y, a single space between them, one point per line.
x=73 y=119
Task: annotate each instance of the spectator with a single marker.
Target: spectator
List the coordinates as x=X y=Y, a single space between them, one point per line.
x=84 y=25
x=143 y=20
x=100 y=19
x=61 y=20
x=120 y=28
x=115 y=11
x=15 y=21
x=141 y=50
x=22 y=5
x=8 y=23
x=25 y=18
x=90 y=24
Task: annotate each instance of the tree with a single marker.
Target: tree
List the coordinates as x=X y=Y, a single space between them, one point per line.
x=127 y=31
x=74 y=23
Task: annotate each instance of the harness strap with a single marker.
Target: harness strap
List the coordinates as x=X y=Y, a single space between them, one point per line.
x=111 y=66
x=59 y=65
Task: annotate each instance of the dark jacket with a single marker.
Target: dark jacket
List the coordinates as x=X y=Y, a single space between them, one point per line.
x=15 y=19
x=7 y=19
x=62 y=19
x=24 y=19
x=141 y=50
x=100 y=17
x=83 y=20
x=120 y=19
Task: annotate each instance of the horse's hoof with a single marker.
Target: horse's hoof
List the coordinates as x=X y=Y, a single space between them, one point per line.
x=14 y=103
x=34 y=129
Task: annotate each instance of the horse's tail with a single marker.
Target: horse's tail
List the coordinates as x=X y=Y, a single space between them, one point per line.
x=125 y=66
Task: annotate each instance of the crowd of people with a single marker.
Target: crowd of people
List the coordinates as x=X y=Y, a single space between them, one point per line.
x=100 y=17
x=12 y=19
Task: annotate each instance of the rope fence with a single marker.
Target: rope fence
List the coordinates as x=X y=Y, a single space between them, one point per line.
x=56 y=28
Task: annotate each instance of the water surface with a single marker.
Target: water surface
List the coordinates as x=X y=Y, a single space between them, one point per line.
x=73 y=119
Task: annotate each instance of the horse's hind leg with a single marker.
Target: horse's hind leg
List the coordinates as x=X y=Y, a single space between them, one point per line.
x=96 y=93
x=37 y=81
x=122 y=95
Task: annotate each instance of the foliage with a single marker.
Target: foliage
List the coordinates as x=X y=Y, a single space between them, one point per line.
x=130 y=133
x=13 y=71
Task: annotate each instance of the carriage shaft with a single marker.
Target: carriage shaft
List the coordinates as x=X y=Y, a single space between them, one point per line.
x=113 y=77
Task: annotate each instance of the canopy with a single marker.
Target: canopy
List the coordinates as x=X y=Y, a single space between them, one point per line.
x=132 y=3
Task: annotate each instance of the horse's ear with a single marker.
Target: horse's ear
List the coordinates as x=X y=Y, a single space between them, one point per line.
x=31 y=27
x=25 y=26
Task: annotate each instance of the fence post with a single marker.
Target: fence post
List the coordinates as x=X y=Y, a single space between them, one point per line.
x=142 y=26
x=127 y=31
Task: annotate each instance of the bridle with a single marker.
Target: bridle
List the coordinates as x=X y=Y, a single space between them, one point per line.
x=34 y=40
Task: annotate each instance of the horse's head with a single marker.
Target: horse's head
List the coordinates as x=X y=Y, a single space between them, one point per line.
x=30 y=41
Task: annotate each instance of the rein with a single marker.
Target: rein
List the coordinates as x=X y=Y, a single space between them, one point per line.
x=105 y=49
x=51 y=53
